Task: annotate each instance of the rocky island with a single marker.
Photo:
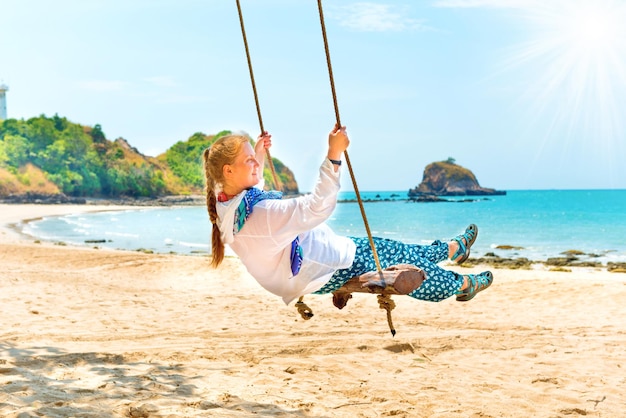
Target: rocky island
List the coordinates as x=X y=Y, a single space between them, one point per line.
x=446 y=178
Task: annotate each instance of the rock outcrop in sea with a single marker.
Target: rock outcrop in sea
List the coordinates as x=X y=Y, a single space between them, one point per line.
x=446 y=178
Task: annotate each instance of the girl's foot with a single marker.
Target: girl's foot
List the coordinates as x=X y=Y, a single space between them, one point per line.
x=475 y=283
x=464 y=241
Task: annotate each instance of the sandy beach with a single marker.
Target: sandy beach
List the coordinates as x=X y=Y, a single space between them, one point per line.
x=88 y=332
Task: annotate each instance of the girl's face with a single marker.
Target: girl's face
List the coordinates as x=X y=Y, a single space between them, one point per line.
x=243 y=173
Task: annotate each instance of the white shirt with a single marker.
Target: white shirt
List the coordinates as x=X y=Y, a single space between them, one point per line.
x=264 y=242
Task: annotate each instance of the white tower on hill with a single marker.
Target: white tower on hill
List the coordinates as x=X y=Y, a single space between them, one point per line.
x=3 y=101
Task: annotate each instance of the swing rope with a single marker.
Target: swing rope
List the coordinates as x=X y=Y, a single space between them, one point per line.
x=352 y=176
x=384 y=300
x=302 y=307
x=277 y=183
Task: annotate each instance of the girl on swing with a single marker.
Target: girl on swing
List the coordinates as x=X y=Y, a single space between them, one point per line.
x=286 y=245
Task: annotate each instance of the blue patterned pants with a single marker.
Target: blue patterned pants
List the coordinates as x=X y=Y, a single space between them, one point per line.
x=440 y=284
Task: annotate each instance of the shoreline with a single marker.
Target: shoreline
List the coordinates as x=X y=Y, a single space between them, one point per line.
x=565 y=262
x=13 y=214
x=92 y=332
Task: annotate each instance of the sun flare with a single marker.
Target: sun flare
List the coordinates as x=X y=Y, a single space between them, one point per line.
x=592 y=27
x=578 y=55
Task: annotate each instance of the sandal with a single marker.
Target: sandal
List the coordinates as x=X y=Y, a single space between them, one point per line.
x=477 y=283
x=465 y=241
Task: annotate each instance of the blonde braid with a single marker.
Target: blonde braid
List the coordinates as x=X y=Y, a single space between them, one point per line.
x=217 y=246
x=222 y=152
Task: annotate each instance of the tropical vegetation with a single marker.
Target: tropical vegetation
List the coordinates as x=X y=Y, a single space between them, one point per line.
x=54 y=155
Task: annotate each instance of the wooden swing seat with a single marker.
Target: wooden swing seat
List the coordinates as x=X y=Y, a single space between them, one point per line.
x=399 y=279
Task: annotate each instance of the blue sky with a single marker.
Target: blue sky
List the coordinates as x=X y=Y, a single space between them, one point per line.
x=528 y=94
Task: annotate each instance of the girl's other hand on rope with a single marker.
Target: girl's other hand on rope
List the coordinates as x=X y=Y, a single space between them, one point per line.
x=263 y=142
x=338 y=142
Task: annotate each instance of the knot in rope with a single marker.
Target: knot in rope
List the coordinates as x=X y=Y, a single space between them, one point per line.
x=303 y=309
x=385 y=302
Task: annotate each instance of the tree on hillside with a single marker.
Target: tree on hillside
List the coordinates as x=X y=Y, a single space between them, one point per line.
x=96 y=134
x=185 y=158
x=16 y=150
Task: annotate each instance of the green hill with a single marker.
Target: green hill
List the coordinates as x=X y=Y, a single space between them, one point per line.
x=53 y=156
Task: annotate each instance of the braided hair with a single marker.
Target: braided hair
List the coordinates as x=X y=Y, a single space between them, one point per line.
x=222 y=152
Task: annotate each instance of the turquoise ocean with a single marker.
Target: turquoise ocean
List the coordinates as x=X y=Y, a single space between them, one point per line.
x=542 y=223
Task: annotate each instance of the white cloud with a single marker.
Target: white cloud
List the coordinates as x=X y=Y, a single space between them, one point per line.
x=103 y=85
x=376 y=17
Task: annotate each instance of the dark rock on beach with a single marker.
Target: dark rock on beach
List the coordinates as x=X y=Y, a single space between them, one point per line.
x=62 y=199
x=508 y=247
x=43 y=198
x=561 y=261
x=501 y=262
x=616 y=267
x=184 y=200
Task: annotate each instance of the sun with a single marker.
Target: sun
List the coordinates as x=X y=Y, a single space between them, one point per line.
x=577 y=53
x=592 y=25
